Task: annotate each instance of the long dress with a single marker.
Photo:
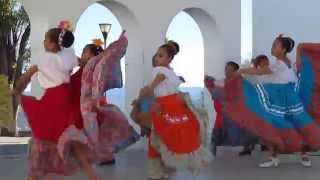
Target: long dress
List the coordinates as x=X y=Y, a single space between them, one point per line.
x=104 y=124
x=52 y=117
x=277 y=110
x=59 y=119
x=225 y=131
x=176 y=128
x=112 y=130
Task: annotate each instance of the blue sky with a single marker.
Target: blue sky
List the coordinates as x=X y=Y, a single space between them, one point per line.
x=183 y=29
x=87 y=27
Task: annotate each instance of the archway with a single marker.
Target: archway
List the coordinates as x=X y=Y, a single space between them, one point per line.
x=121 y=18
x=210 y=55
x=88 y=29
x=189 y=62
x=134 y=55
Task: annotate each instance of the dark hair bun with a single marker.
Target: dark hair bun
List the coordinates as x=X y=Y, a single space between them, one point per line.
x=172 y=48
x=290 y=43
x=287 y=43
x=68 y=39
x=175 y=47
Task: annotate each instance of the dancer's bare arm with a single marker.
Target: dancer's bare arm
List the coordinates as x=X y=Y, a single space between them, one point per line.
x=255 y=71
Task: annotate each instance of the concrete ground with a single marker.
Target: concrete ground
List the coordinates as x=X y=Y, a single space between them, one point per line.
x=131 y=165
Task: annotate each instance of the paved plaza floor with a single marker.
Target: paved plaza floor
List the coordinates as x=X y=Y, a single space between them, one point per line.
x=131 y=165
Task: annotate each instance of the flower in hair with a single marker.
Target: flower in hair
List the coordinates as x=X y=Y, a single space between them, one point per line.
x=65 y=25
x=97 y=42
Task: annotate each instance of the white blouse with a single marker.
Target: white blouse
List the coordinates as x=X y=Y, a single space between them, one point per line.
x=281 y=74
x=253 y=79
x=54 y=68
x=168 y=86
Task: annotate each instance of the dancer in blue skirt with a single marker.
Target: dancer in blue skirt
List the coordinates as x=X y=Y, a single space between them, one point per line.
x=274 y=109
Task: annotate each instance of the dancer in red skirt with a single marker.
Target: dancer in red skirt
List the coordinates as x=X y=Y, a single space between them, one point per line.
x=225 y=132
x=52 y=117
x=175 y=140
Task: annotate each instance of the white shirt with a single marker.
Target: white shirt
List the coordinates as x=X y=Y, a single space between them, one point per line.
x=54 y=68
x=168 y=86
x=281 y=74
x=253 y=79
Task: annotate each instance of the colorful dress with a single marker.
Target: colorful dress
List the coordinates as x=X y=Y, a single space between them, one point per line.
x=104 y=124
x=226 y=132
x=176 y=135
x=309 y=83
x=52 y=117
x=275 y=110
x=66 y=114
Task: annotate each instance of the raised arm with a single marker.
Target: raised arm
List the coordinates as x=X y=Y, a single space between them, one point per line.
x=255 y=71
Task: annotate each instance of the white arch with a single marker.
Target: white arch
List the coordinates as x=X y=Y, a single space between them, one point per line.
x=146 y=23
x=134 y=55
x=191 y=55
x=211 y=40
x=42 y=19
x=213 y=51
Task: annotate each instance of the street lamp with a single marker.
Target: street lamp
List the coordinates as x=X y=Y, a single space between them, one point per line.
x=105 y=29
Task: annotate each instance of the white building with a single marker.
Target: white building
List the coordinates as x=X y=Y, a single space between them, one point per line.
x=146 y=23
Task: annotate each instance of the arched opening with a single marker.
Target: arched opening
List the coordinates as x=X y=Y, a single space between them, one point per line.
x=88 y=29
x=189 y=62
x=134 y=55
x=203 y=35
x=121 y=18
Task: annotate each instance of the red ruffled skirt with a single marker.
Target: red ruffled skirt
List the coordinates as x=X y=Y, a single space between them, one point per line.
x=52 y=114
x=51 y=119
x=176 y=126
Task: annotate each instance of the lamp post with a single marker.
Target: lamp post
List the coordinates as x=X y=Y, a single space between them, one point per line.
x=105 y=29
